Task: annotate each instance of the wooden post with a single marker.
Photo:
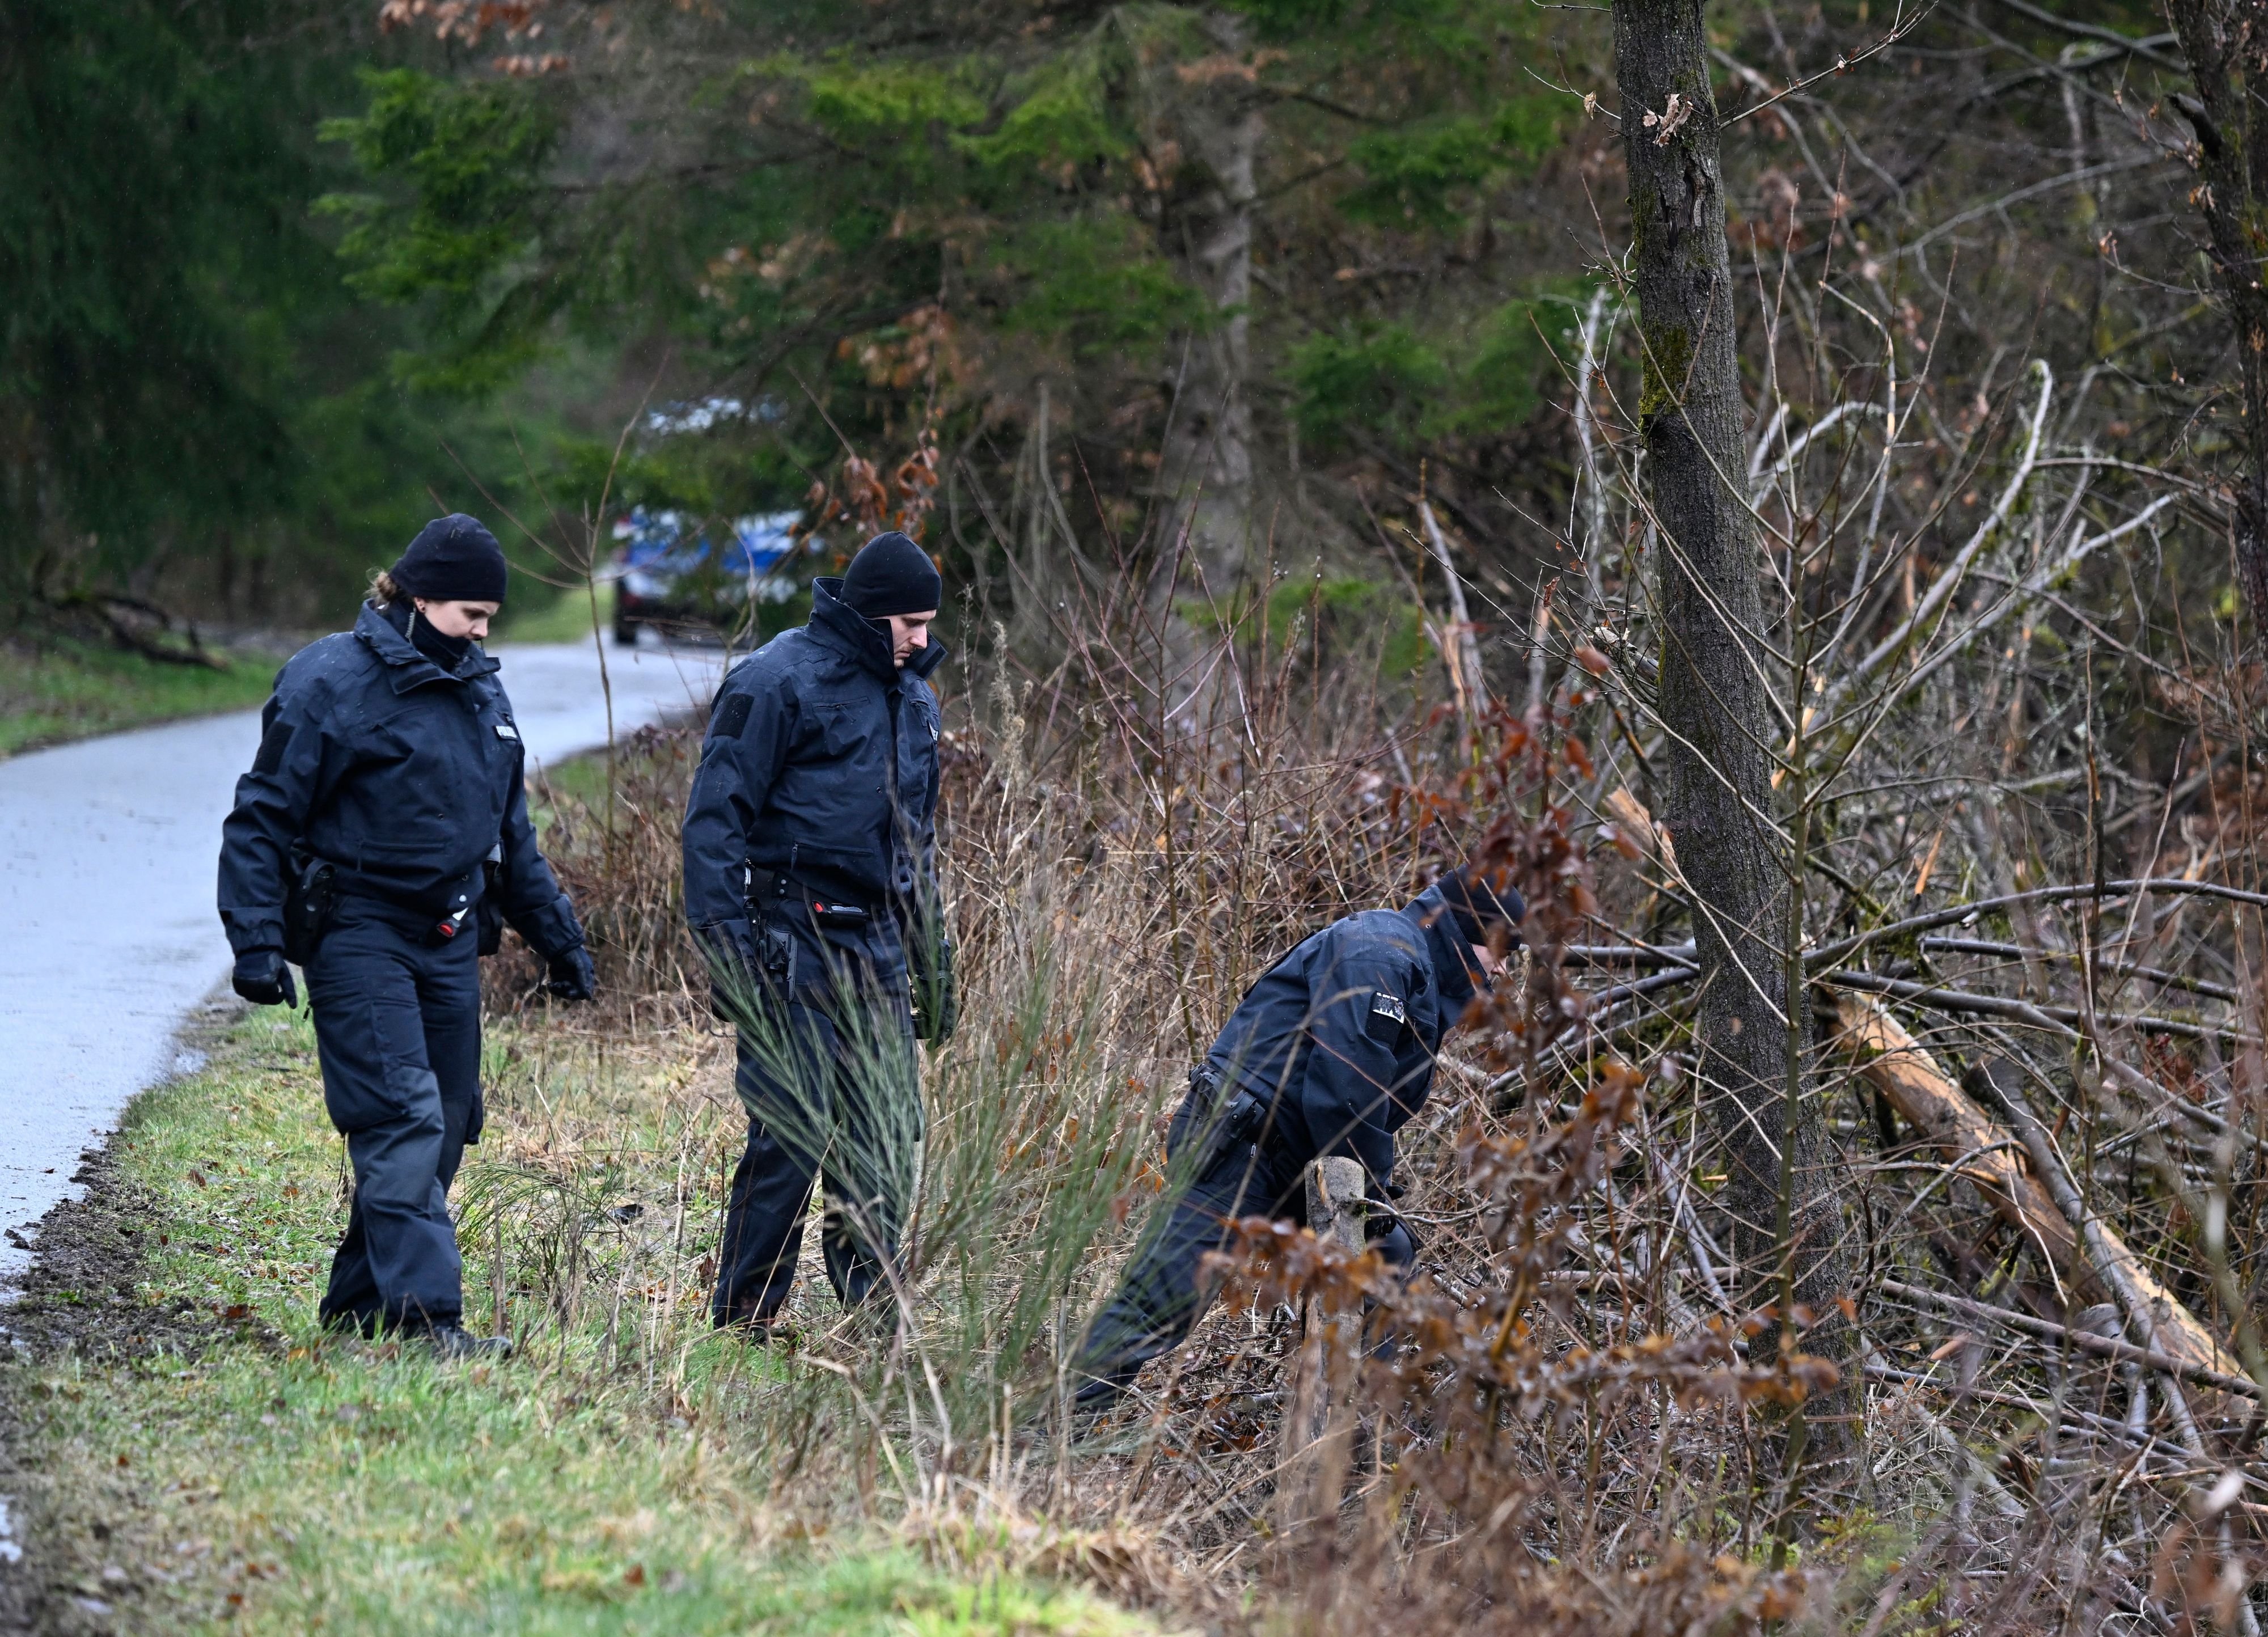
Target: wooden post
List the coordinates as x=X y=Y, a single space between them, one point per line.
x=1319 y=1409
x=1336 y=1207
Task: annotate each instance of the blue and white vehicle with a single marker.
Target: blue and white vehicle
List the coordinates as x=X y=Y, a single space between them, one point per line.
x=670 y=575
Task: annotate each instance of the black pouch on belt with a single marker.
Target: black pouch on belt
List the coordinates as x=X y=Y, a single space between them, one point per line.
x=771 y=891
x=307 y=906
x=1203 y=1119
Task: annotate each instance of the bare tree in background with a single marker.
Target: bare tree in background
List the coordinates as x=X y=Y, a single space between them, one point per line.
x=2226 y=44
x=1714 y=706
x=1214 y=116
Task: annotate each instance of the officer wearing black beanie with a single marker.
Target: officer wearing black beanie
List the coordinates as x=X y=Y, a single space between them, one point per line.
x=1330 y=1052
x=1479 y=902
x=892 y=575
x=811 y=883
x=453 y=559
x=381 y=842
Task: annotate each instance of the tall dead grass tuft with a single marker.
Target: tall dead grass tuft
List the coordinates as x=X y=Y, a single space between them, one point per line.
x=620 y=863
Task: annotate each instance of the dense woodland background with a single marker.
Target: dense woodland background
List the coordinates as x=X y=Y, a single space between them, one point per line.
x=1315 y=257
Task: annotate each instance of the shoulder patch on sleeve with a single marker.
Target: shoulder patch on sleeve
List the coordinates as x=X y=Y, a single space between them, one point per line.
x=1384 y=1005
x=733 y=717
x=272 y=745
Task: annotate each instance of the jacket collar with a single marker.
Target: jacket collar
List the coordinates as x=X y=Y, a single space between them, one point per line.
x=410 y=669
x=1453 y=972
x=844 y=628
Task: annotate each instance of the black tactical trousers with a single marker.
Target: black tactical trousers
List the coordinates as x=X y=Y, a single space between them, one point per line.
x=1163 y=1293
x=398 y=1028
x=827 y=1073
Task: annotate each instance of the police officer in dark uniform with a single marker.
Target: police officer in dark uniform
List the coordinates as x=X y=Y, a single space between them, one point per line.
x=381 y=841
x=1328 y=1055
x=811 y=881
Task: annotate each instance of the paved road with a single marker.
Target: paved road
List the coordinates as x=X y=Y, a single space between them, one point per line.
x=107 y=852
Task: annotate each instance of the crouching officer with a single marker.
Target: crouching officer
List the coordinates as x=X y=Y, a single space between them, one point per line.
x=1329 y=1054
x=380 y=841
x=811 y=883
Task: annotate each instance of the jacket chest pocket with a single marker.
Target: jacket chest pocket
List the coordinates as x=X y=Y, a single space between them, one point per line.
x=839 y=731
x=434 y=767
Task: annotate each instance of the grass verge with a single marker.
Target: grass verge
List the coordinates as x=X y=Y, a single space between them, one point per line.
x=201 y=1455
x=565 y=618
x=64 y=689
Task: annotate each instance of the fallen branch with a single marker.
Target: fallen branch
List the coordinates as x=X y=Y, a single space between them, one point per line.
x=2063 y=1018
x=1986 y=1153
x=2103 y=1346
x=2117 y=969
x=112 y=609
x=1837 y=953
x=1902 y=1071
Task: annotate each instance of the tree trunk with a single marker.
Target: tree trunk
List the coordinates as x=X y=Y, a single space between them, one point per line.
x=2224 y=42
x=1207 y=457
x=1713 y=672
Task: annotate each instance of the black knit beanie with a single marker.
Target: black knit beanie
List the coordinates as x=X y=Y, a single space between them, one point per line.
x=892 y=575
x=1478 y=901
x=453 y=559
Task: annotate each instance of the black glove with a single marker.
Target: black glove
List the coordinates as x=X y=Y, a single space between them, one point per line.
x=263 y=977
x=735 y=973
x=935 y=1012
x=573 y=978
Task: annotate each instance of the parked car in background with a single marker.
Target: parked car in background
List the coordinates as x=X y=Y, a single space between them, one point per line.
x=670 y=575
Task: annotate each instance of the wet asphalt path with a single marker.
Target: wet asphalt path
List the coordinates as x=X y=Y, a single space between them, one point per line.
x=108 y=936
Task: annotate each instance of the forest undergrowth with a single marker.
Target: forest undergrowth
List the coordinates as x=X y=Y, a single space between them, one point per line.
x=2035 y=1077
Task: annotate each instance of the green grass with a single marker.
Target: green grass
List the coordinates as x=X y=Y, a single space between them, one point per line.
x=278 y=1480
x=565 y=618
x=58 y=691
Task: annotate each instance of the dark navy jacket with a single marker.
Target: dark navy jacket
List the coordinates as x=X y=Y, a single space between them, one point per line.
x=1339 y=1036
x=402 y=775
x=821 y=764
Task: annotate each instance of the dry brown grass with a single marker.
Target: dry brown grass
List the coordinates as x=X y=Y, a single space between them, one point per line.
x=1579 y=1440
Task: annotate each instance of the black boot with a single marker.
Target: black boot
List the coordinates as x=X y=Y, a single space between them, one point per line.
x=451 y=1342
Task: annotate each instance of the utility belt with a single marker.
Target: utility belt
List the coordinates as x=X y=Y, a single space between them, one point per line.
x=772 y=890
x=317 y=887
x=1219 y=1125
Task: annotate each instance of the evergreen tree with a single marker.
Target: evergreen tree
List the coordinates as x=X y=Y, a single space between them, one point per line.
x=1145 y=253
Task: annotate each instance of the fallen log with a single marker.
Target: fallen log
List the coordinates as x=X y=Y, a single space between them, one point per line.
x=1993 y=1158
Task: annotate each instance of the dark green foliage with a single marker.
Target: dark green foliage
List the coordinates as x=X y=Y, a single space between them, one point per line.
x=1096 y=286
x=1381 y=382
x=1497 y=372
x=467 y=155
x=194 y=403
x=902 y=220
x=143 y=216
x=1388 y=384
x=1427 y=173
x=350 y=278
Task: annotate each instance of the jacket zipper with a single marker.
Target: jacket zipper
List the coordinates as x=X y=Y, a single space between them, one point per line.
x=893 y=698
